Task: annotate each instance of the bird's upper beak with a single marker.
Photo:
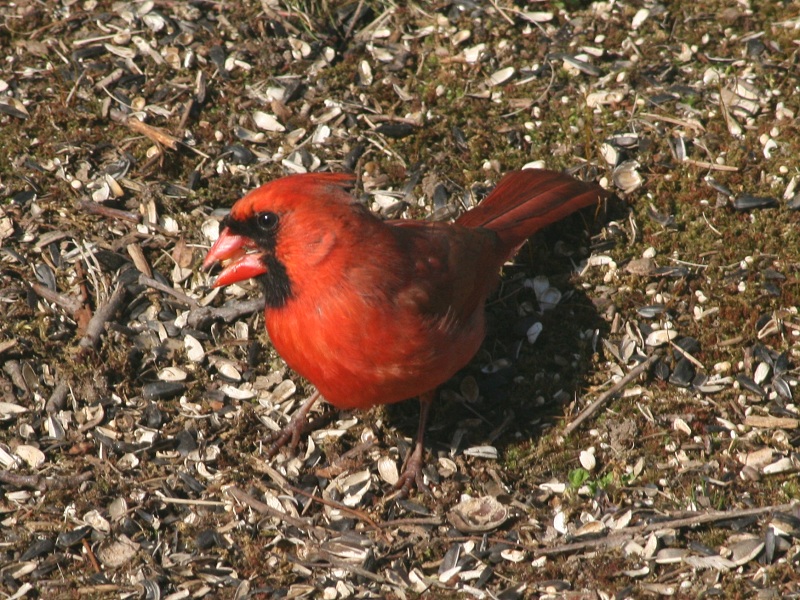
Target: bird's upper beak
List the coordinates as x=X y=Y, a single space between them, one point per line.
x=238 y=257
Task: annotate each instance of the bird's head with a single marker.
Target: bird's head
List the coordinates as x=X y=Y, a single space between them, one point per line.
x=279 y=226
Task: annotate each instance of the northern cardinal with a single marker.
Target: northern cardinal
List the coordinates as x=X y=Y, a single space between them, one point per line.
x=372 y=311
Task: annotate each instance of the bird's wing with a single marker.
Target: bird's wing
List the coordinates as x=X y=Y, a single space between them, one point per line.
x=453 y=269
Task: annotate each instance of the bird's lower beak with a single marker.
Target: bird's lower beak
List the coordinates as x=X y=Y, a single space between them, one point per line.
x=237 y=256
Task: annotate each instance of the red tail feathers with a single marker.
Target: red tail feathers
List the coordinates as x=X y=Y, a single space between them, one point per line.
x=526 y=201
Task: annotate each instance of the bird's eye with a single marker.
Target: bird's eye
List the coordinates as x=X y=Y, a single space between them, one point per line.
x=266 y=221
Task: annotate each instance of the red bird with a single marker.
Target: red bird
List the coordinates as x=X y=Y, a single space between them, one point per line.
x=372 y=311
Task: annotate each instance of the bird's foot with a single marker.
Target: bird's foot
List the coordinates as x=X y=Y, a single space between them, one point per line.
x=296 y=427
x=412 y=475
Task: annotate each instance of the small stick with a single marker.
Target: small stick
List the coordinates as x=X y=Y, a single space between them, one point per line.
x=411 y=521
x=101 y=316
x=69 y=303
x=287 y=487
x=359 y=514
x=686 y=355
x=709 y=165
x=58 y=398
x=157 y=285
x=190 y=501
x=689 y=123
x=187 y=111
x=156 y=134
x=229 y=312
x=44 y=484
x=266 y=509
x=616 y=389
x=106 y=211
x=619 y=537
x=354 y=18
x=92 y=558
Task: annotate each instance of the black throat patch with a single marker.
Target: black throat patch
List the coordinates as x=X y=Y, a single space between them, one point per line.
x=276 y=283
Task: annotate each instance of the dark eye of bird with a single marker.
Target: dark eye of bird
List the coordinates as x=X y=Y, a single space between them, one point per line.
x=266 y=221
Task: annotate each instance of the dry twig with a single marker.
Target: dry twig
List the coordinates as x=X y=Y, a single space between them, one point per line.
x=108 y=212
x=590 y=410
x=44 y=484
x=58 y=398
x=266 y=509
x=69 y=303
x=157 y=285
x=230 y=311
x=101 y=316
x=621 y=536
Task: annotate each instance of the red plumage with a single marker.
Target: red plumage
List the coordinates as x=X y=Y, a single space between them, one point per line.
x=370 y=311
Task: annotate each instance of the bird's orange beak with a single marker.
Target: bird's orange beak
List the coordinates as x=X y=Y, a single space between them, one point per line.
x=238 y=257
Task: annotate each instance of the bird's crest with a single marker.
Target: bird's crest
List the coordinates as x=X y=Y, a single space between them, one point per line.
x=289 y=192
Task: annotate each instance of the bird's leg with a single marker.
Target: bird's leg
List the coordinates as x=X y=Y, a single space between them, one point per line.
x=294 y=428
x=412 y=470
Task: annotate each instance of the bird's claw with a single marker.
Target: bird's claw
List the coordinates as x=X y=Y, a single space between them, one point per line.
x=412 y=475
x=288 y=436
x=296 y=427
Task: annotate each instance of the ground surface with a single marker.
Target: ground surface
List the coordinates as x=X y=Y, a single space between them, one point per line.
x=136 y=400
